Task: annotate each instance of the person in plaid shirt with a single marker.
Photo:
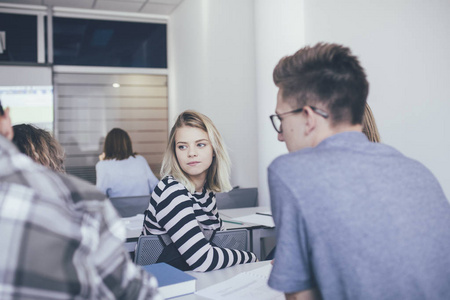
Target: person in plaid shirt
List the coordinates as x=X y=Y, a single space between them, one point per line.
x=60 y=237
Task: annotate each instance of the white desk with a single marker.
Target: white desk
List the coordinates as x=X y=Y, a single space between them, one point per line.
x=133 y=226
x=207 y=279
x=257 y=232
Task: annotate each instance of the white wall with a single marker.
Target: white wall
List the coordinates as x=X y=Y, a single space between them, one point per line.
x=221 y=64
x=404 y=46
x=24 y=75
x=279 y=27
x=212 y=70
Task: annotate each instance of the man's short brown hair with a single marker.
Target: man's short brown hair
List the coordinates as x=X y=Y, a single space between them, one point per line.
x=327 y=76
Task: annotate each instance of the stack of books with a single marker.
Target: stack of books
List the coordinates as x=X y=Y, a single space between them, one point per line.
x=171 y=281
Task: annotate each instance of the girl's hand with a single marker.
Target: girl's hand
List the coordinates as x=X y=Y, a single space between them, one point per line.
x=102 y=156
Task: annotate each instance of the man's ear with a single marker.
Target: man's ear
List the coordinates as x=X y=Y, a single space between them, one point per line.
x=311 y=120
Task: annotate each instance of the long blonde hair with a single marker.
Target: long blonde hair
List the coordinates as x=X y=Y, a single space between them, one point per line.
x=218 y=176
x=369 y=126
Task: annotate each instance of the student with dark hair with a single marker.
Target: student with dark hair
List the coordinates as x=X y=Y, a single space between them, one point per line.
x=60 y=237
x=120 y=171
x=40 y=145
x=354 y=219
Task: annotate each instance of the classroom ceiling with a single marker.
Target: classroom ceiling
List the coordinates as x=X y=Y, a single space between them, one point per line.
x=157 y=7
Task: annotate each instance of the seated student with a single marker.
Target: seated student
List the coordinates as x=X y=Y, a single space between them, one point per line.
x=40 y=145
x=120 y=171
x=369 y=128
x=195 y=167
x=60 y=237
x=354 y=219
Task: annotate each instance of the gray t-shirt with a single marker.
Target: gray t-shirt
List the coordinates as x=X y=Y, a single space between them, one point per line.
x=358 y=220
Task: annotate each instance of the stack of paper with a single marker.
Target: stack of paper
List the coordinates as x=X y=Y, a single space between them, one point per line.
x=247 y=285
x=171 y=281
x=257 y=218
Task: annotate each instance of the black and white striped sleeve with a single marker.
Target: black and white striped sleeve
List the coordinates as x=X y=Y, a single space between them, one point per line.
x=174 y=212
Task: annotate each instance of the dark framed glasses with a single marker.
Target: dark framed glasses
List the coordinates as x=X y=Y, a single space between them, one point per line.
x=276 y=118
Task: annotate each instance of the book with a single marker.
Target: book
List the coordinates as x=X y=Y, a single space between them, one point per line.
x=263 y=219
x=171 y=281
x=246 y=285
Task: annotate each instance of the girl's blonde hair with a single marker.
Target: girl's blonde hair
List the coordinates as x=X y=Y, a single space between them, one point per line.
x=218 y=176
x=369 y=126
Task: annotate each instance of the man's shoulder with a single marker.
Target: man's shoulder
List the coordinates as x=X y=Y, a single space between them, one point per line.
x=289 y=160
x=80 y=189
x=68 y=186
x=40 y=187
x=48 y=184
x=337 y=149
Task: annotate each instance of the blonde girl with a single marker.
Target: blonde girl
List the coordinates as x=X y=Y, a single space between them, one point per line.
x=183 y=205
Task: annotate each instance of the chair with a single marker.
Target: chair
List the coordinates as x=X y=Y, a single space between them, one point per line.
x=233 y=239
x=149 y=247
x=237 y=198
x=130 y=206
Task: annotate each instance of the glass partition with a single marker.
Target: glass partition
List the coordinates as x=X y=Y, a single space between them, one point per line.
x=88 y=42
x=18 y=38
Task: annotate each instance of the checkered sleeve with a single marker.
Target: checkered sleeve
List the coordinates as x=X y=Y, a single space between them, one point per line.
x=61 y=239
x=120 y=277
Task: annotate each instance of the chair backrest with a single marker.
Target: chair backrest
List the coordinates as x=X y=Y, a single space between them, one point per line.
x=130 y=206
x=233 y=239
x=238 y=198
x=149 y=247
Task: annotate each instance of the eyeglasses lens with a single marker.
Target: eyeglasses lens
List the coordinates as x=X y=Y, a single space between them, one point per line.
x=277 y=123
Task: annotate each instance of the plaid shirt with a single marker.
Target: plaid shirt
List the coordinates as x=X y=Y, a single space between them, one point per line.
x=60 y=238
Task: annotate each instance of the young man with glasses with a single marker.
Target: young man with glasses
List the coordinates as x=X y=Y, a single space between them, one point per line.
x=354 y=219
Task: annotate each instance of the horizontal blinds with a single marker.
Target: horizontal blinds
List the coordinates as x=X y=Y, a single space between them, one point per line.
x=88 y=107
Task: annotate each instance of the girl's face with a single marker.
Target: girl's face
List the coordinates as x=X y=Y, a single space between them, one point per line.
x=194 y=152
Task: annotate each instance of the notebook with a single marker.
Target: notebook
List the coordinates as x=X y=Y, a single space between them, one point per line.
x=171 y=281
x=246 y=285
x=264 y=219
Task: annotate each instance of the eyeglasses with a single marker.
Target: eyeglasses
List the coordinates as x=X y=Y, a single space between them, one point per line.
x=276 y=119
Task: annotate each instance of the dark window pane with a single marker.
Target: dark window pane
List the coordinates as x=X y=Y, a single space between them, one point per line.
x=46 y=37
x=21 y=37
x=109 y=43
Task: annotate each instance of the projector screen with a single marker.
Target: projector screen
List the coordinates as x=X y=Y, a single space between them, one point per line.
x=29 y=104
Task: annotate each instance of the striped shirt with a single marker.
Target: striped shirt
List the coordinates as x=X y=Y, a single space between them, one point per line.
x=173 y=210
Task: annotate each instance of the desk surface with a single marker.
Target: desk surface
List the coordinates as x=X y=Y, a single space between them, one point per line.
x=257 y=232
x=207 y=279
x=239 y=212
x=134 y=224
